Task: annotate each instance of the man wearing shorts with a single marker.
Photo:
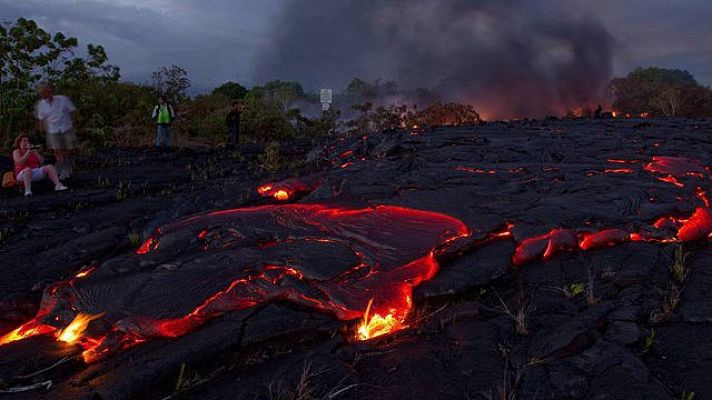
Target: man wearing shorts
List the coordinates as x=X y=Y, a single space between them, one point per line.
x=56 y=118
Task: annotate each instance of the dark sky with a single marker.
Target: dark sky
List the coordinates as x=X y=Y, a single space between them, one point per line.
x=220 y=40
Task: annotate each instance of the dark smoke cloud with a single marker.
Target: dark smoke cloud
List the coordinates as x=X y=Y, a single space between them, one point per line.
x=510 y=58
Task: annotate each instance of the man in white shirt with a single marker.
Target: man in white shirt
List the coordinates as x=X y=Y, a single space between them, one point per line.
x=56 y=118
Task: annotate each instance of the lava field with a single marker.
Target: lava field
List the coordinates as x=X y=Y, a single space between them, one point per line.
x=553 y=259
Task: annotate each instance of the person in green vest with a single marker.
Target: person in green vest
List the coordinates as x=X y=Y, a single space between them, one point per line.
x=163 y=114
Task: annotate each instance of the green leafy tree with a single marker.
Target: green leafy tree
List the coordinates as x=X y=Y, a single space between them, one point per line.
x=264 y=119
x=29 y=54
x=171 y=82
x=660 y=92
x=282 y=94
x=231 y=90
x=205 y=117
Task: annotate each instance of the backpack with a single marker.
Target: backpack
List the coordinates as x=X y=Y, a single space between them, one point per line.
x=8 y=179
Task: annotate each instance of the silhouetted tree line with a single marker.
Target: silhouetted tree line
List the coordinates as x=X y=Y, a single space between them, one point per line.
x=111 y=112
x=658 y=92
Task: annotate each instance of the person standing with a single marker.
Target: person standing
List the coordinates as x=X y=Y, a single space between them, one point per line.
x=232 y=120
x=55 y=115
x=163 y=114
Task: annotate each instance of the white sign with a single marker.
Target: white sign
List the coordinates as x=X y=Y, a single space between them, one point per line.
x=326 y=95
x=326 y=99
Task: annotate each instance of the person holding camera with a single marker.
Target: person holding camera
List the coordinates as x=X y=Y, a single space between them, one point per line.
x=28 y=165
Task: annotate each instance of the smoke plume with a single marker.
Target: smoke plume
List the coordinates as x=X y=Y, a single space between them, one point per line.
x=509 y=58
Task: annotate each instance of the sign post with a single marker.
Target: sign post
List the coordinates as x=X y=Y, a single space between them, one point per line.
x=326 y=95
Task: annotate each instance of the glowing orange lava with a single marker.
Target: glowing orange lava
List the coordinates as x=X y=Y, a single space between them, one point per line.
x=372 y=326
x=85 y=272
x=702 y=195
x=697 y=227
x=671 y=179
x=76 y=328
x=281 y=195
x=148 y=246
x=26 y=331
x=604 y=238
x=264 y=188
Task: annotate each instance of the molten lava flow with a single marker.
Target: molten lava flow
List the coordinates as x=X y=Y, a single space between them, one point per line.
x=671 y=179
x=543 y=246
x=76 y=328
x=85 y=272
x=384 y=251
x=608 y=237
x=148 y=246
x=281 y=195
x=618 y=171
x=286 y=189
x=676 y=166
x=699 y=226
x=702 y=195
x=26 y=331
x=264 y=189
x=372 y=326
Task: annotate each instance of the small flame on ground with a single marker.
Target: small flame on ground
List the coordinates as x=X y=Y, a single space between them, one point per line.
x=376 y=325
x=264 y=189
x=24 y=333
x=76 y=328
x=281 y=195
x=85 y=272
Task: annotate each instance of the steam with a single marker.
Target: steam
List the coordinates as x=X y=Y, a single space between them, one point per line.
x=509 y=58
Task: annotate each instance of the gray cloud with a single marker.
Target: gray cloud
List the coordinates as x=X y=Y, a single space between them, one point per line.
x=509 y=58
x=213 y=40
x=220 y=40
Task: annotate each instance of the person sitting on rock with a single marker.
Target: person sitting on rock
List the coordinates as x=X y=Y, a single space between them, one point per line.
x=28 y=165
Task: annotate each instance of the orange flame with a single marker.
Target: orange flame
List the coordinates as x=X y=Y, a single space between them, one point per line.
x=76 y=328
x=281 y=195
x=376 y=325
x=25 y=332
x=264 y=188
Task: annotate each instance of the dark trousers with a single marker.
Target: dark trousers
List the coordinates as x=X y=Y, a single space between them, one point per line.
x=234 y=135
